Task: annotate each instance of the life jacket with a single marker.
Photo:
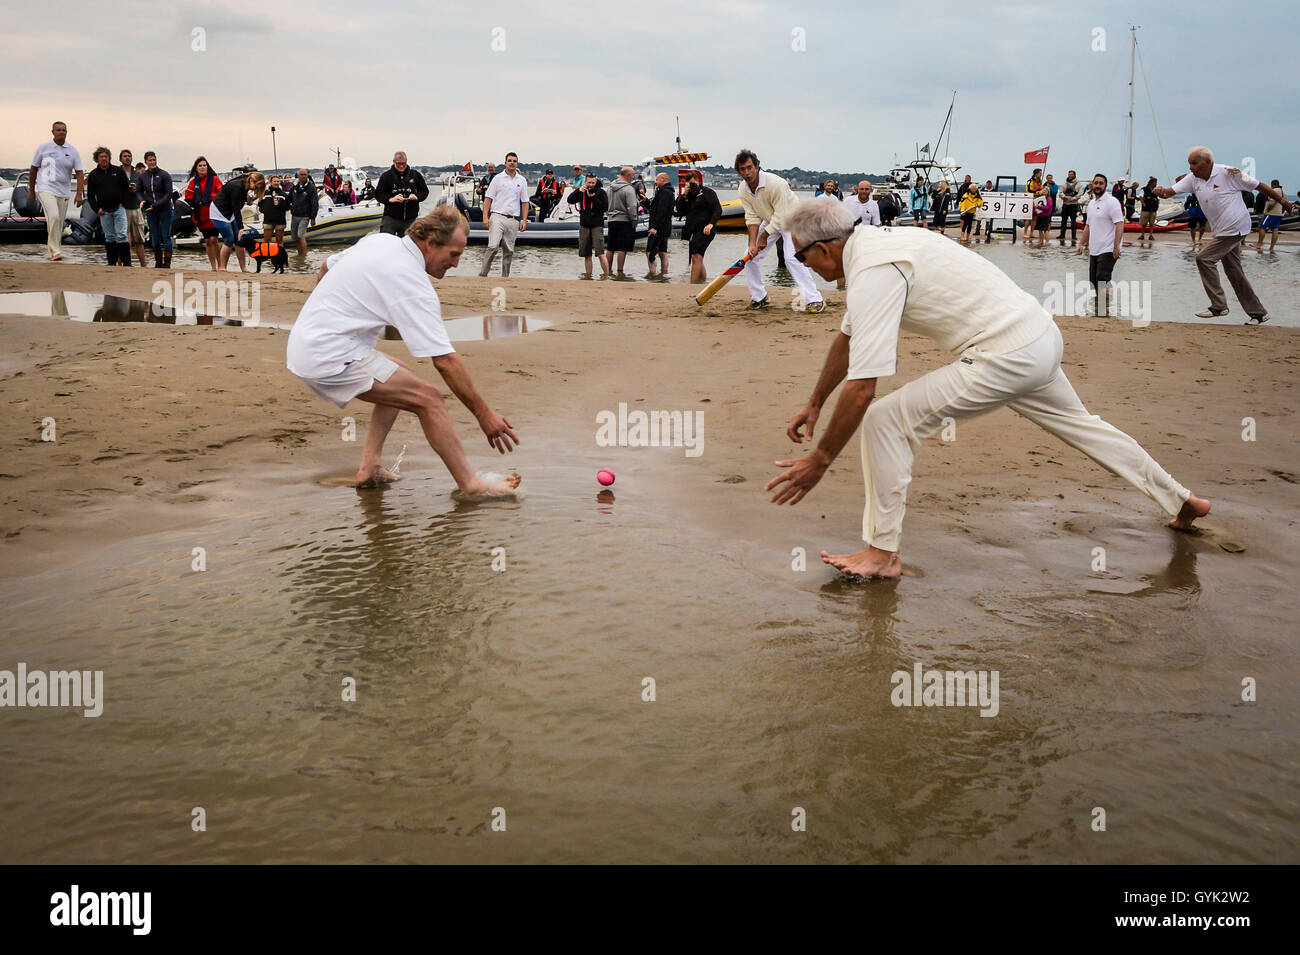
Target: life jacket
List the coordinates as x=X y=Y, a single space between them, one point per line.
x=204 y=189
x=266 y=250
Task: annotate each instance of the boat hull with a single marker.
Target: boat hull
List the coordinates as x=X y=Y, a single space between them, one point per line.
x=733 y=216
x=21 y=230
x=564 y=233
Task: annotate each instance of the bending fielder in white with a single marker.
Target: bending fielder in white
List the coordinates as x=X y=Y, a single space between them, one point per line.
x=384 y=280
x=1009 y=352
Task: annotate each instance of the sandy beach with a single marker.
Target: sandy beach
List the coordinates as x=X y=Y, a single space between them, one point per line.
x=1120 y=688
x=151 y=417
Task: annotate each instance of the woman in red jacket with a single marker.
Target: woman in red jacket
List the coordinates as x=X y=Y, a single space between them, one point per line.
x=202 y=189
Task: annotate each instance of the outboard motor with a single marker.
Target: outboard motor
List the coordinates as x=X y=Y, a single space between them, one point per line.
x=183 y=218
x=463 y=207
x=25 y=204
x=85 y=229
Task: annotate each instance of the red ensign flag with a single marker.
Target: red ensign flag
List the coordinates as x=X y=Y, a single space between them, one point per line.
x=1037 y=155
x=469 y=167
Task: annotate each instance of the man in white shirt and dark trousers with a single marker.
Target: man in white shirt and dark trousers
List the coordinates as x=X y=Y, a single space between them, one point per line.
x=1218 y=188
x=767 y=200
x=505 y=213
x=50 y=183
x=1009 y=353
x=1103 y=239
x=384 y=280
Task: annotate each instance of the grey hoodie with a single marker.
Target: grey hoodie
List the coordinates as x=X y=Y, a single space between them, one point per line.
x=622 y=201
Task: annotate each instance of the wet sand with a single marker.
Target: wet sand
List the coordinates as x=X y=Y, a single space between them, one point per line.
x=1119 y=686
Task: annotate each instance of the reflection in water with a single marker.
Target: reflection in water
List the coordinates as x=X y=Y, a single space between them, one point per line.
x=115 y=308
x=487 y=327
x=1179 y=577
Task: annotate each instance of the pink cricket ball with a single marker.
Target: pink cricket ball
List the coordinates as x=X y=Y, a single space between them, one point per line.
x=605 y=476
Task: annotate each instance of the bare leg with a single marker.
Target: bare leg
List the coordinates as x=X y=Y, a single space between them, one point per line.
x=372 y=472
x=406 y=391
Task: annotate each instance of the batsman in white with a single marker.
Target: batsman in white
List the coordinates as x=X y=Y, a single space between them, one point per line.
x=384 y=280
x=1009 y=353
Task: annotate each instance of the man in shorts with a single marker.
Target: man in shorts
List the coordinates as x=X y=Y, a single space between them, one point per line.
x=304 y=203
x=700 y=207
x=622 y=217
x=592 y=203
x=384 y=280
x=661 y=225
x=134 y=215
x=1103 y=237
x=1147 y=217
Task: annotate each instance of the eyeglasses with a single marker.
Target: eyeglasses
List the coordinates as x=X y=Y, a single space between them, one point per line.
x=799 y=255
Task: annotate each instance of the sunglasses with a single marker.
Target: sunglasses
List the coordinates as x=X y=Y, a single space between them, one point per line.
x=799 y=255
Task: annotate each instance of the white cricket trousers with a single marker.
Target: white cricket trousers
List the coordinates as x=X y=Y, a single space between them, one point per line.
x=1028 y=380
x=803 y=277
x=56 y=211
x=502 y=230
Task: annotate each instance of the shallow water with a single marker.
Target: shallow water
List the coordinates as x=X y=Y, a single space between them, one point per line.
x=521 y=688
x=93 y=307
x=1174 y=292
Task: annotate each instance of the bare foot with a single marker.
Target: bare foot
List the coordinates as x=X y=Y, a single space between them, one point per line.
x=1193 y=508
x=872 y=563
x=489 y=487
x=376 y=477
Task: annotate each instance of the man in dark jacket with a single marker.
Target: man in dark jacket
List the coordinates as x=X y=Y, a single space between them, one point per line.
x=401 y=189
x=592 y=203
x=304 y=203
x=107 y=189
x=661 y=226
x=700 y=205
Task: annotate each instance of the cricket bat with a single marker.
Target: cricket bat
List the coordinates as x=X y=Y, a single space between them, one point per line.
x=716 y=285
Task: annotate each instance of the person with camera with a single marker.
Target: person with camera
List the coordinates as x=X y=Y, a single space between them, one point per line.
x=592 y=203
x=700 y=207
x=401 y=189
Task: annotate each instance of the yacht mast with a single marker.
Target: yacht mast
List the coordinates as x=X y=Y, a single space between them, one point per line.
x=1132 y=59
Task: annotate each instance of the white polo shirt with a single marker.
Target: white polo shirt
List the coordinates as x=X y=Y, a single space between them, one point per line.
x=377 y=282
x=54 y=168
x=1103 y=215
x=1220 y=198
x=867 y=213
x=509 y=195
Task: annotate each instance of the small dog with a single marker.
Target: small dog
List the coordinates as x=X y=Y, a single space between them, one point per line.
x=261 y=250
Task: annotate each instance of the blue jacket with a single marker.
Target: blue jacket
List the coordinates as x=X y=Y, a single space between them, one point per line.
x=155 y=189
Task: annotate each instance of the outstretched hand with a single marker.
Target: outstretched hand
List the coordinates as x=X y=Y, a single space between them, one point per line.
x=802 y=477
x=498 y=431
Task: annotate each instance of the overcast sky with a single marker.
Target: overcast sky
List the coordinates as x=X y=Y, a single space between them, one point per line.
x=584 y=82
